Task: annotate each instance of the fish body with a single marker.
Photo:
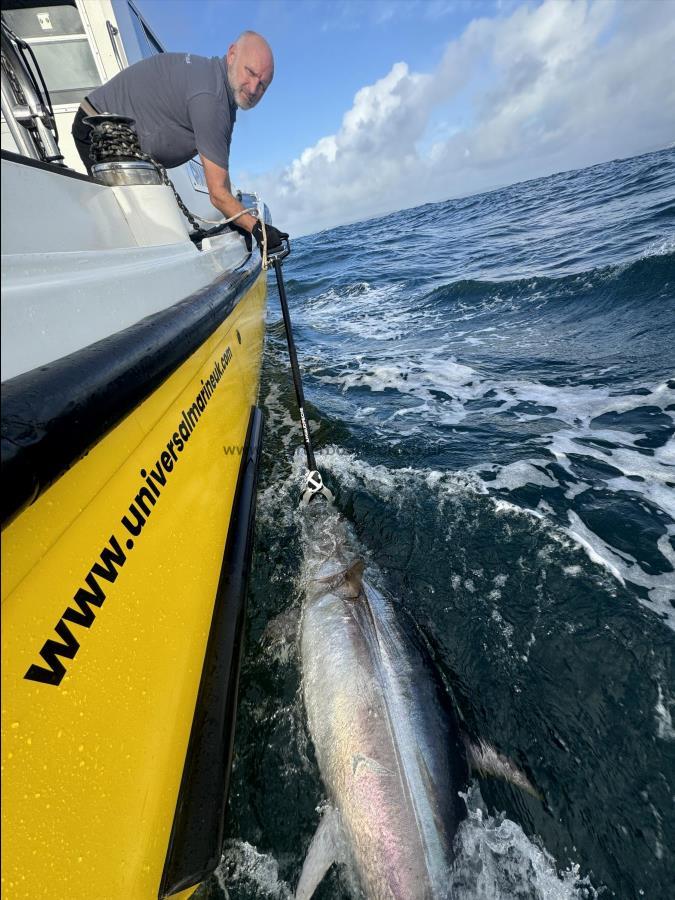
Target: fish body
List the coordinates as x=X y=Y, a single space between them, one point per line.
x=386 y=740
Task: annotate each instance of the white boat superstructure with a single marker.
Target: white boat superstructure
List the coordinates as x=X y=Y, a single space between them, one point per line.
x=80 y=44
x=95 y=260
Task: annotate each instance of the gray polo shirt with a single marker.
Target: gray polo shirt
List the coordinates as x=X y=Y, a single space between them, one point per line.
x=182 y=105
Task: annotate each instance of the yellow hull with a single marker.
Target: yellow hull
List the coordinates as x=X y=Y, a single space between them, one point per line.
x=121 y=556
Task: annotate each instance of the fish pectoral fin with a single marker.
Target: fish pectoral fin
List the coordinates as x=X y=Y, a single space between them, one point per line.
x=324 y=850
x=484 y=759
x=361 y=763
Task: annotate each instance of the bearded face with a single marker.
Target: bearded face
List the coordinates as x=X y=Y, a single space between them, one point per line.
x=250 y=70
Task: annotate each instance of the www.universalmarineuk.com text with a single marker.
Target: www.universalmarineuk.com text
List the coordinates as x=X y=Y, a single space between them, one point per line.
x=113 y=555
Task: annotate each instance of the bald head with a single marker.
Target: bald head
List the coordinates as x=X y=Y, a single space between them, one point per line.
x=250 y=68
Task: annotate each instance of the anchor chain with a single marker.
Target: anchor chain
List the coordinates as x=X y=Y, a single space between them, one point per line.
x=115 y=140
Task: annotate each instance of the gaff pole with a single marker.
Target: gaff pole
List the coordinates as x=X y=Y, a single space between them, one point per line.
x=313 y=481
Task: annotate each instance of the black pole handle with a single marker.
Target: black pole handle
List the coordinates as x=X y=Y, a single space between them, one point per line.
x=276 y=259
x=280 y=252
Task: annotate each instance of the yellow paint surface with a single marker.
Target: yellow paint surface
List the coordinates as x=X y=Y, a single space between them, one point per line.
x=91 y=767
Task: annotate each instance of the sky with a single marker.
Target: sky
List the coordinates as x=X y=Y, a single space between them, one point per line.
x=379 y=105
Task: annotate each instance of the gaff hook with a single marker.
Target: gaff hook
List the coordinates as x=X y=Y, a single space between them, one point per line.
x=314 y=485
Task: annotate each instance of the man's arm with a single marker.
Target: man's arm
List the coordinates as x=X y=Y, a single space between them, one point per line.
x=220 y=194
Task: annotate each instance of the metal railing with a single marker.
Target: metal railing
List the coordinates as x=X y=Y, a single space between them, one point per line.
x=27 y=108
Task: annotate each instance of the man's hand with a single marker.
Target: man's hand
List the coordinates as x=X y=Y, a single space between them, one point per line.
x=274 y=236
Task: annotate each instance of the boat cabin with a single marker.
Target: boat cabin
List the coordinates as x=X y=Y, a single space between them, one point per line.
x=78 y=44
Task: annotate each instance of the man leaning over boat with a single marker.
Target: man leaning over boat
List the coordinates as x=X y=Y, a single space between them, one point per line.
x=184 y=104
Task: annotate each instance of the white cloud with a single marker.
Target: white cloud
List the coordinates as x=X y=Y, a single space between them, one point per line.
x=556 y=86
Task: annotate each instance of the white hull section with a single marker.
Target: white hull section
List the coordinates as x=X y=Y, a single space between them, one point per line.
x=107 y=258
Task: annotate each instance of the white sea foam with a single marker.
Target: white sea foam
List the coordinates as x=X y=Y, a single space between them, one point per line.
x=593 y=546
x=495 y=859
x=241 y=862
x=664 y=717
x=389 y=483
x=396 y=485
x=519 y=473
x=441 y=385
x=661 y=247
x=379 y=313
x=565 y=429
x=654 y=474
x=420 y=371
x=561 y=420
x=278 y=419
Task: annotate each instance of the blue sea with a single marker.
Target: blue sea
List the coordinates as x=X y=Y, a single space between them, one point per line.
x=491 y=387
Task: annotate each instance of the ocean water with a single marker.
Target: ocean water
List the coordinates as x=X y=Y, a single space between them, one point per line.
x=491 y=384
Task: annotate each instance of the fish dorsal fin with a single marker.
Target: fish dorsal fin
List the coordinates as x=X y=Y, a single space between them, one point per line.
x=486 y=760
x=354 y=578
x=325 y=849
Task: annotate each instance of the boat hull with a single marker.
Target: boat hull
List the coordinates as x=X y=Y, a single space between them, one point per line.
x=109 y=581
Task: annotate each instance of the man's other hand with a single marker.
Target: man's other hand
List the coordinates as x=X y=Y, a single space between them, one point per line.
x=274 y=236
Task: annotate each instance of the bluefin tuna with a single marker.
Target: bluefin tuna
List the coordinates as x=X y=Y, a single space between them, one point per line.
x=391 y=754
